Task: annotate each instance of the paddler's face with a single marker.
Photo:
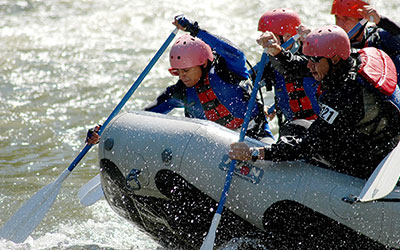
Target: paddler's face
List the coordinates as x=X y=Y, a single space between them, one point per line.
x=190 y=76
x=346 y=22
x=319 y=68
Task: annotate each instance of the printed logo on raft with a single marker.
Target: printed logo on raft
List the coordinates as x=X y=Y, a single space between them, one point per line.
x=243 y=169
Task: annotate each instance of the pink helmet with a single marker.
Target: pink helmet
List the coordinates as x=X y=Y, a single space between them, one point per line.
x=327 y=41
x=188 y=52
x=279 y=21
x=348 y=7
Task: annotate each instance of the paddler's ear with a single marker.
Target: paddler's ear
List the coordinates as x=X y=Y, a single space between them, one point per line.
x=335 y=59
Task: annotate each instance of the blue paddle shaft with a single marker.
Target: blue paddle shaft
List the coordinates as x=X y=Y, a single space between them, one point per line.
x=356 y=28
x=264 y=60
x=126 y=97
x=271 y=109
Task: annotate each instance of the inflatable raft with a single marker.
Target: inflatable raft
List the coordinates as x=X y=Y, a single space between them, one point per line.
x=165 y=174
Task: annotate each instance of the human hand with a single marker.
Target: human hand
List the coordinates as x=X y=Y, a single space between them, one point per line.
x=92 y=136
x=185 y=24
x=240 y=151
x=271 y=42
x=303 y=31
x=270 y=112
x=370 y=14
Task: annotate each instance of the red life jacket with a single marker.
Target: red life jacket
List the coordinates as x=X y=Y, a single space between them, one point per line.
x=299 y=102
x=378 y=69
x=213 y=108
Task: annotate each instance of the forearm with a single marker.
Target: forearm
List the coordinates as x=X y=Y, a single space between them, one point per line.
x=286 y=149
x=171 y=98
x=390 y=26
x=291 y=65
x=235 y=58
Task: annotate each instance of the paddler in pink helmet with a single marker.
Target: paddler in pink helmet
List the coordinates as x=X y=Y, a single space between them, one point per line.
x=213 y=83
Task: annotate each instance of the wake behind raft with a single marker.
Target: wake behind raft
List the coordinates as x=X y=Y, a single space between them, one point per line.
x=165 y=174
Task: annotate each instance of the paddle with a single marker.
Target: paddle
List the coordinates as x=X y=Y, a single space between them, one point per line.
x=383 y=179
x=91 y=192
x=209 y=241
x=358 y=26
x=28 y=217
x=271 y=109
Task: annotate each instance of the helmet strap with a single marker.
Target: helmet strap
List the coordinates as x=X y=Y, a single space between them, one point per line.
x=204 y=70
x=331 y=66
x=281 y=39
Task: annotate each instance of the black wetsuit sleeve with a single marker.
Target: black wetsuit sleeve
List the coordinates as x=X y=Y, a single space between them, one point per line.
x=268 y=78
x=291 y=65
x=390 y=26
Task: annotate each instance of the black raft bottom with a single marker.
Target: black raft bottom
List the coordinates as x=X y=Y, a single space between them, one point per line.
x=182 y=221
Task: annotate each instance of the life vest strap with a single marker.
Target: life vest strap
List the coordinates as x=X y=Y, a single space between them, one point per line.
x=214 y=110
x=299 y=102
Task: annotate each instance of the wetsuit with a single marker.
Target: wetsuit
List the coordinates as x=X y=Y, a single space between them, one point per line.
x=223 y=80
x=355 y=130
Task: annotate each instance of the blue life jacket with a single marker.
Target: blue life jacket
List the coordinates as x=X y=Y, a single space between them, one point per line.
x=297 y=103
x=229 y=95
x=296 y=100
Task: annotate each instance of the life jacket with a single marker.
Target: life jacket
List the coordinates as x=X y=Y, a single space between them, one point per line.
x=297 y=101
x=378 y=73
x=214 y=110
x=378 y=69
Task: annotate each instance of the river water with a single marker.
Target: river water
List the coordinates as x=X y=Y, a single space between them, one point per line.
x=66 y=64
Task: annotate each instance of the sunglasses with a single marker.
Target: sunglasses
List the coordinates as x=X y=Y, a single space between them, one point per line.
x=314 y=59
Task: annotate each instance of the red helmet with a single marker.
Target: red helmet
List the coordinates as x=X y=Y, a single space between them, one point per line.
x=348 y=7
x=188 y=52
x=327 y=41
x=279 y=21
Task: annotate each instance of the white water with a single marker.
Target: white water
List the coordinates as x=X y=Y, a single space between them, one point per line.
x=65 y=65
